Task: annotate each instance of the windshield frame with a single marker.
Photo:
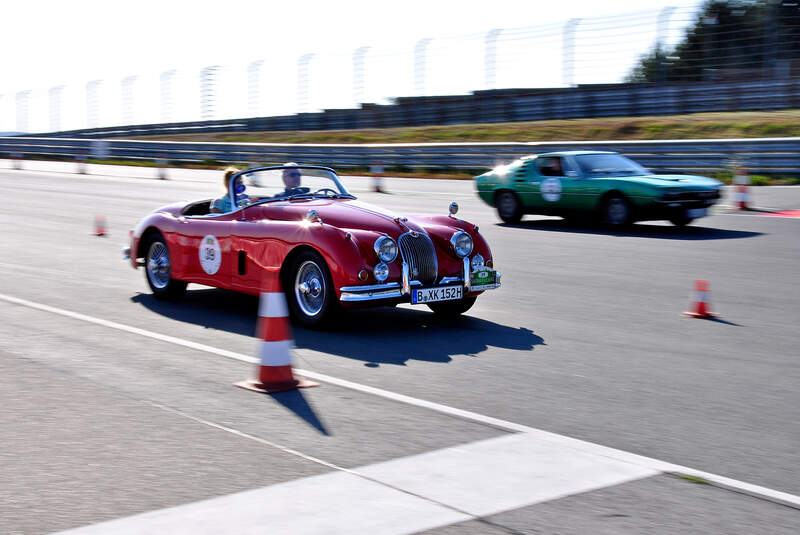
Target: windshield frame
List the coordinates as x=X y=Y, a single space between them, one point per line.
x=343 y=192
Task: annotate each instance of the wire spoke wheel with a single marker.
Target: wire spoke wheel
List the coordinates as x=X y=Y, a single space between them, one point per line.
x=158 y=265
x=310 y=288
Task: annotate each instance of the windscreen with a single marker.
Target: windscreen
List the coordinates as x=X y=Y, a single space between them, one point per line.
x=289 y=183
x=594 y=165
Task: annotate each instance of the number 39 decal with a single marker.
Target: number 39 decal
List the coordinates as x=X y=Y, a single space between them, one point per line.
x=210 y=254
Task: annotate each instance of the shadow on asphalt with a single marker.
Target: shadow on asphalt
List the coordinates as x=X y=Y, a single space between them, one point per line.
x=296 y=402
x=638 y=230
x=385 y=335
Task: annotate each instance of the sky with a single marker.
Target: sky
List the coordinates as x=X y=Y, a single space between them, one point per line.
x=47 y=44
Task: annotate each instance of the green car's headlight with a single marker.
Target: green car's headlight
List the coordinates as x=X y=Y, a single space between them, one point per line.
x=461 y=242
x=386 y=249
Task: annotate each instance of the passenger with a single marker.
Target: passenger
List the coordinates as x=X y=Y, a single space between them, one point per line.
x=222 y=205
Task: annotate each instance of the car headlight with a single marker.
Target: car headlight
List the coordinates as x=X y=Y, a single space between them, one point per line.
x=386 y=249
x=381 y=272
x=461 y=242
x=477 y=262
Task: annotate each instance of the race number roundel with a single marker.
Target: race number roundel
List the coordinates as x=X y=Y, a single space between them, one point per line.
x=210 y=254
x=551 y=189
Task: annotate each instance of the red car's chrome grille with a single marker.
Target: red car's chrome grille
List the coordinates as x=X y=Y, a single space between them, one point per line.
x=420 y=255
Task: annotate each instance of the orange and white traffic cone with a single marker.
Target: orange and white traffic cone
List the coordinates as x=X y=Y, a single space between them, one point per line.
x=100 y=226
x=275 y=347
x=701 y=303
x=741 y=179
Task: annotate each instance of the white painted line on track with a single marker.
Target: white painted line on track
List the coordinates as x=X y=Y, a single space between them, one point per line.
x=407 y=495
x=560 y=441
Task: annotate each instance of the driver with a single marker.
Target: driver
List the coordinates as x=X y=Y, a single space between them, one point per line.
x=291 y=179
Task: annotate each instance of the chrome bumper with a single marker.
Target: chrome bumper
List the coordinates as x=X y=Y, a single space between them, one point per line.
x=397 y=290
x=126 y=252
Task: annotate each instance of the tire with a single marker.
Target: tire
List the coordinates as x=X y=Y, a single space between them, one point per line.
x=680 y=221
x=508 y=206
x=309 y=290
x=616 y=211
x=158 y=269
x=452 y=309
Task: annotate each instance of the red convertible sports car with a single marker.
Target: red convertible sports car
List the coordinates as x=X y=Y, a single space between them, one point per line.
x=330 y=250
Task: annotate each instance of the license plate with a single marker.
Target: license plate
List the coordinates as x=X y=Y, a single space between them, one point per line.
x=429 y=295
x=482 y=277
x=694 y=213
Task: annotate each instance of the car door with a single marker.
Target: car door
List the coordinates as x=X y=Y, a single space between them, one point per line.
x=257 y=247
x=205 y=248
x=552 y=183
x=578 y=192
x=525 y=181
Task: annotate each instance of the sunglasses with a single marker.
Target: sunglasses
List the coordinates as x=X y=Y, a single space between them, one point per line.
x=294 y=175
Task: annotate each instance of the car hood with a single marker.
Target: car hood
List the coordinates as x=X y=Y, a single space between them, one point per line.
x=675 y=181
x=344 y=214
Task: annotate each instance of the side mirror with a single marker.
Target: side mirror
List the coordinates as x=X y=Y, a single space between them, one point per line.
x=453 y=208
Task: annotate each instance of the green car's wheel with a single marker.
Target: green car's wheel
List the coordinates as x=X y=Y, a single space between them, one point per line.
x=616 y=211
x=681 y=221
x=452 y=309
x=508 y=207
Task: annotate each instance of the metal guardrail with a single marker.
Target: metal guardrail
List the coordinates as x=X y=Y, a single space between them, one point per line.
x=500 y=105
x=761 y=155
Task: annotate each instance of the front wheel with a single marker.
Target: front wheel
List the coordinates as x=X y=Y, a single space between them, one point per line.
x=309 y=290
x=452 y=309
x=158 y=269
x=508 y=207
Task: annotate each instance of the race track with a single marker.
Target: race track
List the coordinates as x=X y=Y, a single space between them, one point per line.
x=115 y=404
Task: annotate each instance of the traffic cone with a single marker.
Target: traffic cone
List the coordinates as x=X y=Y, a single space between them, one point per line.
x=377 y=177
x=701 y=304
x=741 y=179
x=161 y=172
x=275 y=347
x=81 y=164
x=100 y=225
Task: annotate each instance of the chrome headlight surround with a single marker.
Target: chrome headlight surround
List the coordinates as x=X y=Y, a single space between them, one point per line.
x=461 y=244
x=381 y=272
x=386 y=249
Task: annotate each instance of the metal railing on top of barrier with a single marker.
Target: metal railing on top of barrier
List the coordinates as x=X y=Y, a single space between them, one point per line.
x=763 y=155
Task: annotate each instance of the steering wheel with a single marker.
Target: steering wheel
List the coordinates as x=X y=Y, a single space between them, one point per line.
x=323 y=190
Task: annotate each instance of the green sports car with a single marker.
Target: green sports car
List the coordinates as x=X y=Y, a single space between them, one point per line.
x=603 y=185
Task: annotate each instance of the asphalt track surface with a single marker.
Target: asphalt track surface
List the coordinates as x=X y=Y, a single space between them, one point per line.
x=584 y=339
